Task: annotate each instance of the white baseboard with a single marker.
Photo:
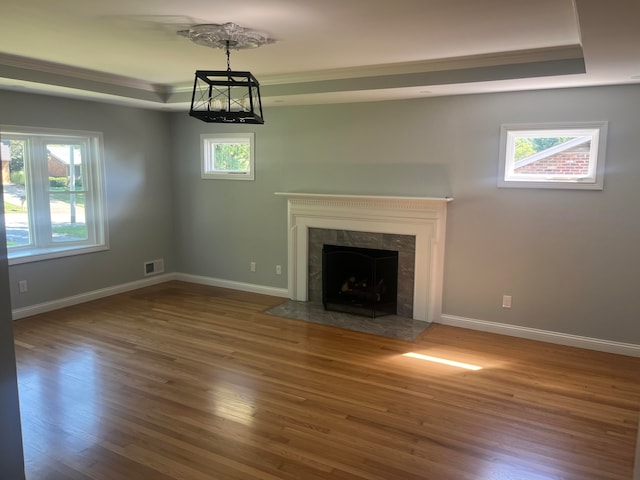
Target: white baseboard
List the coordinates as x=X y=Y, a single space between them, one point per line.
x=589 y=343
x=245 y=287
x=455 y=321
x=88 y=296
x=126 y=287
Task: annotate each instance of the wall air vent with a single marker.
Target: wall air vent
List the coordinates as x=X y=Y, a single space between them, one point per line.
x=154 y=267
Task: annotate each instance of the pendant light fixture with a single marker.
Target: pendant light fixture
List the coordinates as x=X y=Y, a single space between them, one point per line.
x=226 y=96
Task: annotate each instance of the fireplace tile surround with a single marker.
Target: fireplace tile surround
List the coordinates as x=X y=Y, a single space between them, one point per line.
x=312 y=218
x=403 y=244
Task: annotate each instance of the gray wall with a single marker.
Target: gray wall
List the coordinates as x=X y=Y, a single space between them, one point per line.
x=138 y=189
x=11 y=456
x=568 y=258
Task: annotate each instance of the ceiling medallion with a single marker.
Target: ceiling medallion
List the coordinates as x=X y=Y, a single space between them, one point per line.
x=226 y=96
x=217 y=35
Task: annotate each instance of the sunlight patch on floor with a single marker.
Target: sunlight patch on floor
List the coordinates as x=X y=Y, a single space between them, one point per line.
x=444 y=361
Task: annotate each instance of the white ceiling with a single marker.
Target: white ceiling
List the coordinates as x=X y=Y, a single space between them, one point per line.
x=325 y=51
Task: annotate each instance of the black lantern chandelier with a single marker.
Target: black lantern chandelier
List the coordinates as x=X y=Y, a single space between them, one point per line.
x=226 y=96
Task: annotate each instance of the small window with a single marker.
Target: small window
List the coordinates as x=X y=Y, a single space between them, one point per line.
x=567 y=156
x=53 y=185
x=228 y=156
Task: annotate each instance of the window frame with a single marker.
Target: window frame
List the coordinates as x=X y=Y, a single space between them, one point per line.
x=42 y=245
x=208 y=142
x=597 y=130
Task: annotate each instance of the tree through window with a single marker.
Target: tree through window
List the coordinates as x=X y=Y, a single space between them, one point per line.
x=228 y=156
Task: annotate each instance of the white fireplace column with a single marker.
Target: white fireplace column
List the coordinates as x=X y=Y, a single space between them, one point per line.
x=422 y=217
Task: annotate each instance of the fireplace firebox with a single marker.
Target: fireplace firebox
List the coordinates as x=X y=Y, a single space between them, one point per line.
x=362 y=281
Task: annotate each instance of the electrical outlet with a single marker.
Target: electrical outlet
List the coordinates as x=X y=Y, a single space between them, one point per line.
x=252 y=266
x=22 y=286
x=278 y=269
x=506 y=301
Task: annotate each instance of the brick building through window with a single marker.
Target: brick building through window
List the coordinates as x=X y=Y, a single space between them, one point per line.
x=570 y=158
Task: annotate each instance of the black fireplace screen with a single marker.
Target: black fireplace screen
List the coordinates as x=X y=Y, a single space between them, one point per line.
x=362 y=281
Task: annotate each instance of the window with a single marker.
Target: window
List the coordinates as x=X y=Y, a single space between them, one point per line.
x=53 y=193
x=228 y=156
x=553 y=155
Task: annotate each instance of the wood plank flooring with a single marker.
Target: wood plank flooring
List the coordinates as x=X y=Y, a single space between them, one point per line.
x=182 y=381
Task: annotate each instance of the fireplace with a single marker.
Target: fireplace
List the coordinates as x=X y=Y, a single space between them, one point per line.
x=405 y=245
x=363 y=281
x=422 y=218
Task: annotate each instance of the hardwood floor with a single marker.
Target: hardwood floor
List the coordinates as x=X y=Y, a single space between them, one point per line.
x=182 y=381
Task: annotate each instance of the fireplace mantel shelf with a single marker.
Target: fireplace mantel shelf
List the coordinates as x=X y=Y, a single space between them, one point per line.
x=341 y=196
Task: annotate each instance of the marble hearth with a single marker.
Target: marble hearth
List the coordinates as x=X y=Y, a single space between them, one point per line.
x=313 y=217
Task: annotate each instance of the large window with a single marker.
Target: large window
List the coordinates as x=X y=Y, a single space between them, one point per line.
x=53 y=193
x=227 y=156
x=553 y=155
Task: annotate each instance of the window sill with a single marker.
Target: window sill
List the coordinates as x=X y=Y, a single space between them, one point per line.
x=556 y=184
x=36 y=255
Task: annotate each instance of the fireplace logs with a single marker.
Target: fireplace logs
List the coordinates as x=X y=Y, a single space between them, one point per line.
x=362 y=281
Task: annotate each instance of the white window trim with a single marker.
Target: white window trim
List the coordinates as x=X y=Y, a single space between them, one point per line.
x=100 y=237
x=593 y=181
x=206 y=162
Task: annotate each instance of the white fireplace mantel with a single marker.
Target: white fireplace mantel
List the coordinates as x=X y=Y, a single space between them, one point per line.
x=422 y=217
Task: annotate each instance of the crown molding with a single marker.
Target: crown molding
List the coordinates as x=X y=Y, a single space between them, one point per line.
x=48 y=77
x=42 y=66
x=516 y=57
